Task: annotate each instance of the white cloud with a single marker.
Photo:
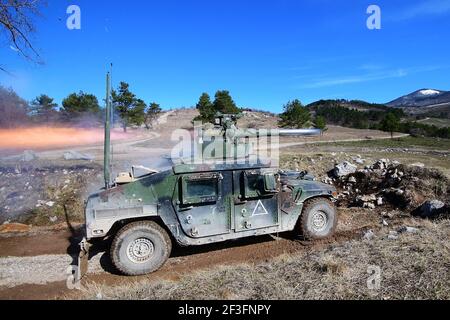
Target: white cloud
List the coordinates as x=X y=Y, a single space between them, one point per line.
x=425 y=8
x=371 y=76
x=330 y=82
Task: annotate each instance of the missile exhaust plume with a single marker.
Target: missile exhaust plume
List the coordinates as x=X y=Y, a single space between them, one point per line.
x=46 y=138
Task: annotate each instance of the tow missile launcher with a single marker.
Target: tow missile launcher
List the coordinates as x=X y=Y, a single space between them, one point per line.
x=225 y=141
x=215 y=196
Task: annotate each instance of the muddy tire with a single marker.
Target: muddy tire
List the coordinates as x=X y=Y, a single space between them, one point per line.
x=140 y=248
x=318 y=220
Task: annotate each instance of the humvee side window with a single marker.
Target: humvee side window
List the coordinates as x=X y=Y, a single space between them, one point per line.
x=270 y=183
x=257 y=184
x=198 y=190
x=254 y=184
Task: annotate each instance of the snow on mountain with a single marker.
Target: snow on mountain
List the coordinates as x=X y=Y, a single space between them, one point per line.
x=429 y=92
x=422 y=98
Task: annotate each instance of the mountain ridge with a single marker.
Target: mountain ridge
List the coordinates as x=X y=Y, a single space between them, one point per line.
x=423 y=98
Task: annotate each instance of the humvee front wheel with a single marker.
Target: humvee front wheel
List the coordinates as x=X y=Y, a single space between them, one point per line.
x=140 y=248
x=318 y=219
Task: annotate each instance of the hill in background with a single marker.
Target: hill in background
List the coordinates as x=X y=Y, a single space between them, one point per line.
x=422 y=98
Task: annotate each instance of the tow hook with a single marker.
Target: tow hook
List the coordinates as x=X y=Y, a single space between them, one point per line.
x=83 y=258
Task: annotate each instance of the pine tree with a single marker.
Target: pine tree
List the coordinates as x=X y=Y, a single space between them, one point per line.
x=390 y=123
x=295 y=115
x=137 y=113
x=205 y=108
x=43 y=108
x=130 y=109
x=78 y=104
x=151 y=114
x=224 y=103
x=320 y=123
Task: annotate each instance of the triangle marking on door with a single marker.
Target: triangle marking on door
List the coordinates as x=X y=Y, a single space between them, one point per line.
x=259 y=210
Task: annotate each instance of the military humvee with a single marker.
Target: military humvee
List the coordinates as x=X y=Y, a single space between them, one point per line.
x=202 y=202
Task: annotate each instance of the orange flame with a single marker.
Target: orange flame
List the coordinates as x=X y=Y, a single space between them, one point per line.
x=49 y=138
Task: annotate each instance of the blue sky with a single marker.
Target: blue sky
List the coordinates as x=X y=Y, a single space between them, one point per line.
x=264 y=52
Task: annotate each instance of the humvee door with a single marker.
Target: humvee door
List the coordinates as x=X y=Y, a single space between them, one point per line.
x=201 y=205
x=256 y=199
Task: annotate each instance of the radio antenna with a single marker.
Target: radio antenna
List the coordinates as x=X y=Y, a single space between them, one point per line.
x=112 y=118
x=107 y=145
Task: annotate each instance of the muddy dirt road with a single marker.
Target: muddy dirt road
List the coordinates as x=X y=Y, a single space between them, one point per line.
x=35 y=266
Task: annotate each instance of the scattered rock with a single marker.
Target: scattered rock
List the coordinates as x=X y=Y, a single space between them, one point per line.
x=393 y=235
x=28 y=156
x=380 y=164
x=379 y=201
x=75 y=155
x=387 y=215
x=327 y=180
x=41 y=182
x=408 y=230
x=344 y=169
x=14 y=228
x=370 y=205
x=50 y=203
x=418 y=164
x=403 y=187
x=367 y=198
x=368 y=235
x=366 y=201
x=431 y=208
x=358 y=159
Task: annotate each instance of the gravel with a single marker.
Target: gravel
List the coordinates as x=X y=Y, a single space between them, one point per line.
x=15 y=271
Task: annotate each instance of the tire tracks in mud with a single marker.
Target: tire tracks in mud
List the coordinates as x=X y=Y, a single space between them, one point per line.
x=183 y=260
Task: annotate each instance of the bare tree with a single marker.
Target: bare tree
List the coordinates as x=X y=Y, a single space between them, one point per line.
x=13 y=109
x=16 y=24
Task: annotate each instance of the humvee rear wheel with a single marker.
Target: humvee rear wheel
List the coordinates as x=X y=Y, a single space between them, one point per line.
x=140 y=248
x=318 y=219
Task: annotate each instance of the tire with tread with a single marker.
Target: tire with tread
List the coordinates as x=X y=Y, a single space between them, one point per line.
x=321 y=207
x=148 y=230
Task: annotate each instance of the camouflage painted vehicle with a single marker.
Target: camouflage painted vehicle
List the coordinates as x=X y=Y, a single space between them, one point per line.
x=201 y=204
x=204 y=202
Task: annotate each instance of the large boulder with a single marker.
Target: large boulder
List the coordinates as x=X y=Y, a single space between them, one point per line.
x=28 y=156
x=344 y=169
x=431 y=208
x=75 y=155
